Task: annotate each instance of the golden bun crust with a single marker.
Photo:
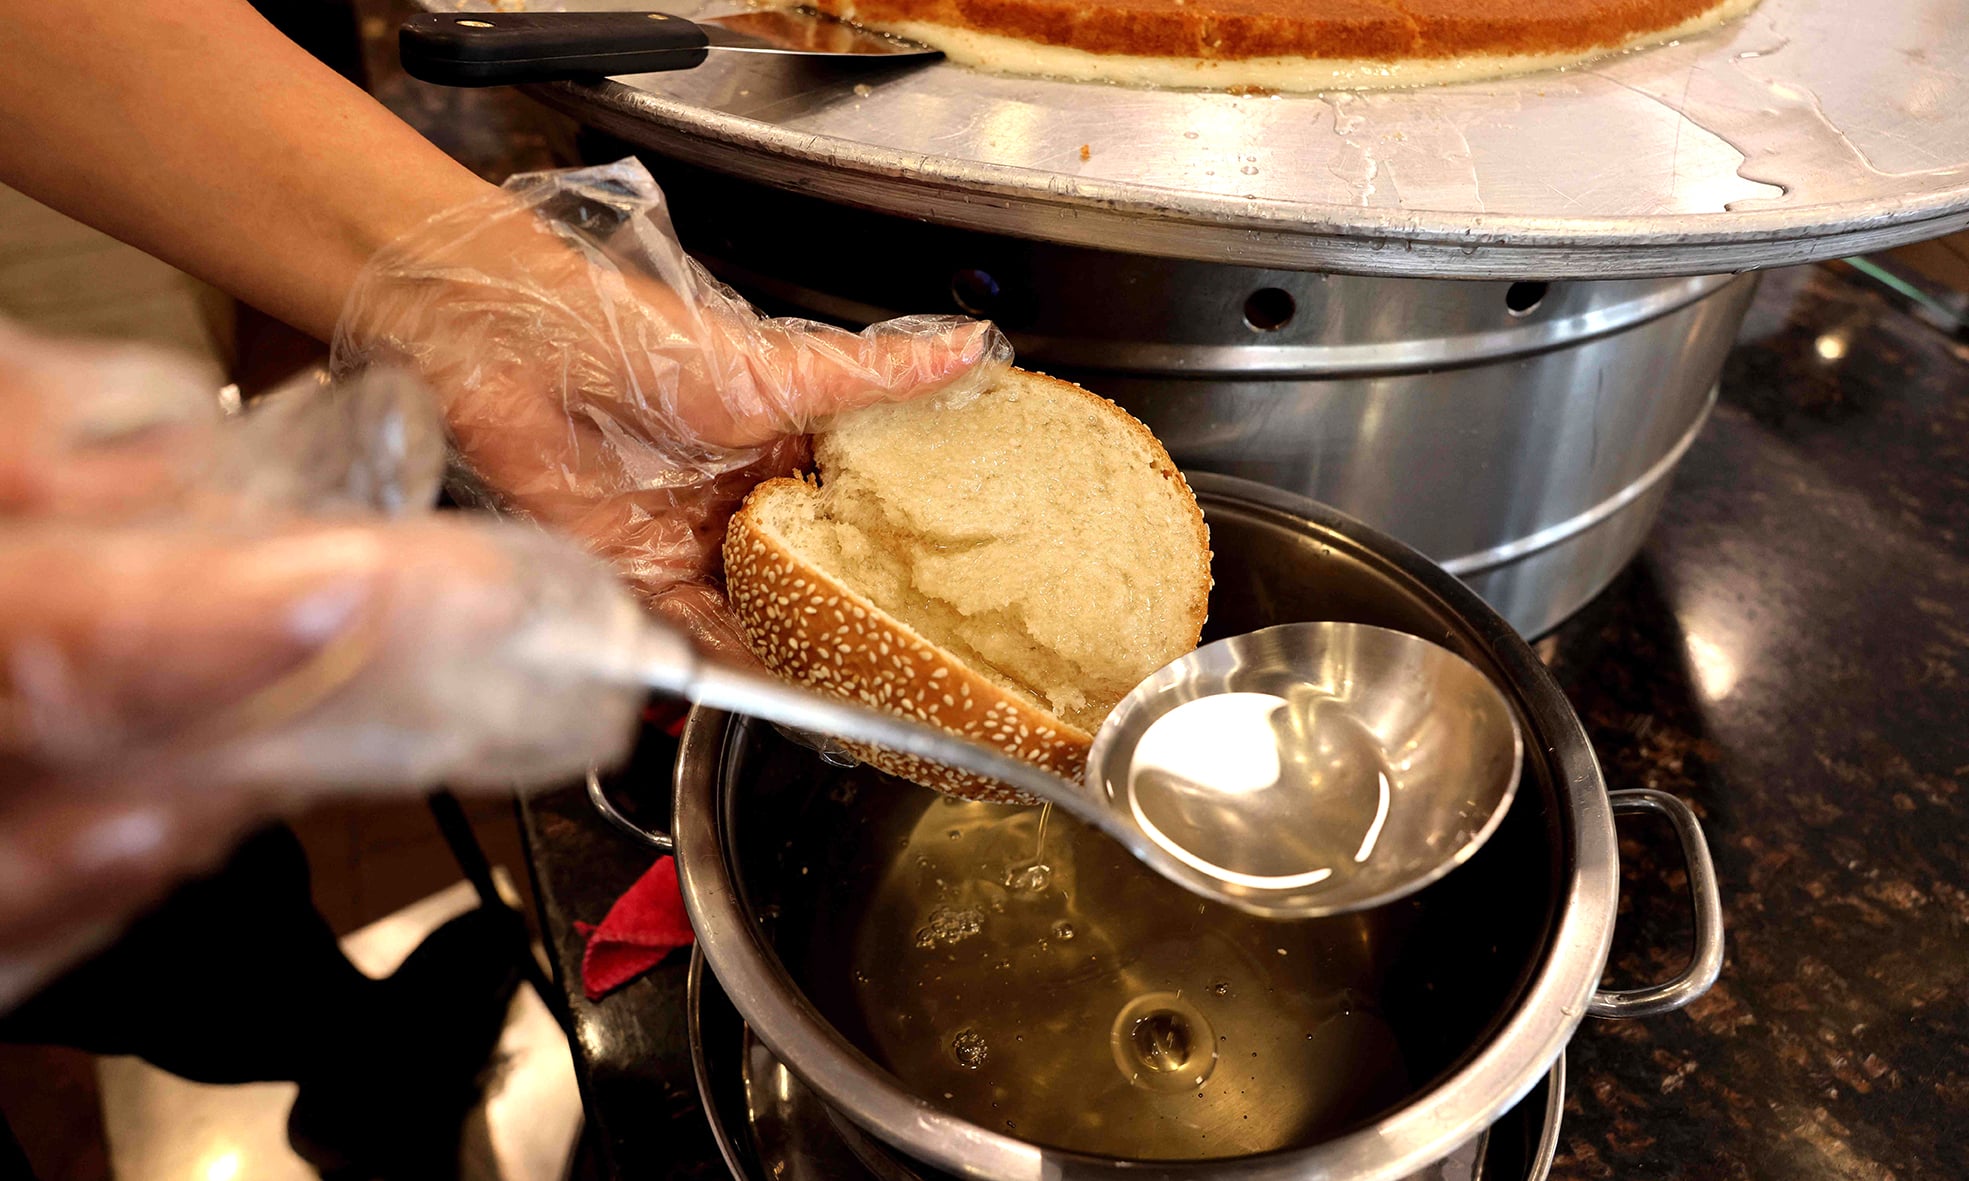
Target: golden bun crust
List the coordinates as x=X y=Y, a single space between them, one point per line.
x=808 y=626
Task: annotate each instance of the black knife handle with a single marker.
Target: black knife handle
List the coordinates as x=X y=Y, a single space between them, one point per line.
x=501 y=49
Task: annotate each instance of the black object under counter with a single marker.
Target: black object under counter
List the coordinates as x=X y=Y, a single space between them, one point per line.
x=1791 y=655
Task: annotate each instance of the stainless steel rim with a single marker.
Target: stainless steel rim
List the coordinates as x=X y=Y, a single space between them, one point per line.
x=1555 y=1112
x=1257 y=359
x=1538 y=1167
x=1777 y=184
x=693 y=1000
x=1430 y=1126
x=1222 y=229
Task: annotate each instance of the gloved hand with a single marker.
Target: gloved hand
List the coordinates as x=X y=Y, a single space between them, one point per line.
x=202 y=618
x=595 y=378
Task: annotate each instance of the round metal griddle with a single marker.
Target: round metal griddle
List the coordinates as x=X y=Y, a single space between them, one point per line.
x=1799 y=132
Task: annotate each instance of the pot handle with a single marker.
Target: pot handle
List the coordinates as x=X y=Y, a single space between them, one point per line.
x=1707 y=962
x=660 y=841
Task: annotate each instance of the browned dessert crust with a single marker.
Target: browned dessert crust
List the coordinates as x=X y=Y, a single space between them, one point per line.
x=1232 y=30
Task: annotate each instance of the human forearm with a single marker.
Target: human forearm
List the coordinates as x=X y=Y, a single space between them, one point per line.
x=197 y=132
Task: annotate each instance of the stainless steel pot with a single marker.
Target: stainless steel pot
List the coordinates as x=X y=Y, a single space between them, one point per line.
x=1481 y=979
x=1521 y=434
x=770 y=1125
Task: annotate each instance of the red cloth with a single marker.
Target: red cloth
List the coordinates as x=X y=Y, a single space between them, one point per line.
x=646 y=924
x=667 y=715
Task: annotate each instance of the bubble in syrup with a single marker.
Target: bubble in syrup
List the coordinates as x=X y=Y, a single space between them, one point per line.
x=969 y=1049
x=1029 y=879
x=1163 y=1043
x=950 y=924
x=1220 y=988
x=1063 y=930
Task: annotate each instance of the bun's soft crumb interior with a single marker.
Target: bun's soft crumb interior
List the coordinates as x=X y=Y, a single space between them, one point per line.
x=1021 y=530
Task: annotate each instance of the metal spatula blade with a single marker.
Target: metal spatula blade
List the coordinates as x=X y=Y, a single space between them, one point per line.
x=508 y=48
x=805 y=33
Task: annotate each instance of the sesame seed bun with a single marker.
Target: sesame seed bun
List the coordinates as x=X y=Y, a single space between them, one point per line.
x=1006 y=568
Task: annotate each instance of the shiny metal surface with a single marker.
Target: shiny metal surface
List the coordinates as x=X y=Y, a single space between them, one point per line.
x=783 y=30
x=1545 y=466
x=1348 y=571
x=662 y=658
x=770 y=1125
x=1382 y=741
x=1106 y=311
x=598 y=799
x=1706 y=964
x=1030 y=977
x=1795 y=133
x=1355 y=766
x=1547 y=1150
x=1548 y=416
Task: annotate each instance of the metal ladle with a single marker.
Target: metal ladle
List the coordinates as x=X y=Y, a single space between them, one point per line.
x=1304 y=770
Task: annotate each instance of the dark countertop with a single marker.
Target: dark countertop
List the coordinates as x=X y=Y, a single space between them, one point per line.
x=1790 y=654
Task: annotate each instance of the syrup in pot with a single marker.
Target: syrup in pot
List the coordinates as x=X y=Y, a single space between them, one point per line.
x=1096 y=1007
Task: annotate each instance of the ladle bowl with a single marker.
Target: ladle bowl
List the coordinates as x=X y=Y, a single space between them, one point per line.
x=1310 y=769
x=1303 y=770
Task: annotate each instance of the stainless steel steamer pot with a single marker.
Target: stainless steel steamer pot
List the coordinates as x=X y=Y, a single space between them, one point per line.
x=1518 y=938
x=1548 y=416
x=1548 y=426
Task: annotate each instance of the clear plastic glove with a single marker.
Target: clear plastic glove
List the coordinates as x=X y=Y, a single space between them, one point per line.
x=202 y=619
x=595 y=378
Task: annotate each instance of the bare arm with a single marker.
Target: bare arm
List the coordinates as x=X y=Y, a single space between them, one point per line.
x=197 y=132
x=611 y=393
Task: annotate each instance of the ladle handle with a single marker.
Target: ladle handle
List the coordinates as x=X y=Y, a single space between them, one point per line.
x=666 y=661
x=1707 y=962
x=735 y=690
